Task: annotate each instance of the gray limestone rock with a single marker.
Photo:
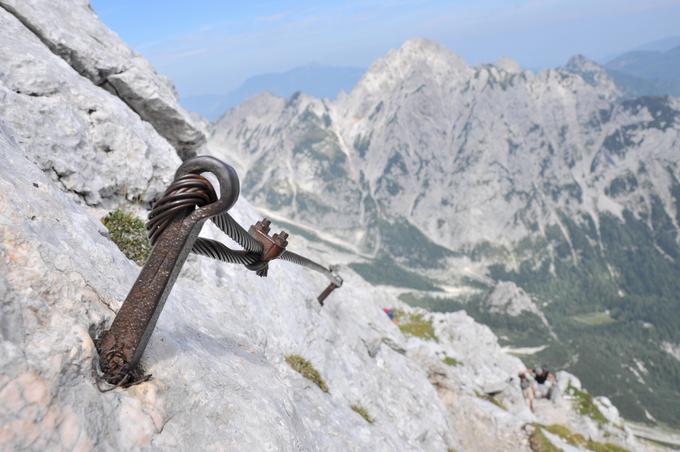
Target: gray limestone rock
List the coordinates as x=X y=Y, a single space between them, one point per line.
x=71 y=30
x=82 y=136
x=219 y=378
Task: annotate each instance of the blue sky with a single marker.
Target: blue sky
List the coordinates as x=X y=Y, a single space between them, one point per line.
x=210 y=46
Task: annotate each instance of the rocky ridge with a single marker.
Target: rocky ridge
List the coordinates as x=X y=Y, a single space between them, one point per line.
x=422 y=126
x=220 y=380
x=474 y=176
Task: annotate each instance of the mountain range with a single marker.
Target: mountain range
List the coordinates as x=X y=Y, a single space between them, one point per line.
x=651 y=70
x=447 y=180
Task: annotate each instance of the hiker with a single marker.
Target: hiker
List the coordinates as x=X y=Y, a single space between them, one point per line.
x=527 y=389
x=390 y=313
x=546 y=383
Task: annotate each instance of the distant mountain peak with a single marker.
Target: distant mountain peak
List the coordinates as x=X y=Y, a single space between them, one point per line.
x=581 y=63
x=590 y=71
x=508 y=65
x=415 y=58
x=516 y=176
x=418 y=50
x=422 y=45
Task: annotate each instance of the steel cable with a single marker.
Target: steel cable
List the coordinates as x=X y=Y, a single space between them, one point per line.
x=173 y=228
x=216 y=250
x=295 y=258
x=190 y=191
x=234 y=230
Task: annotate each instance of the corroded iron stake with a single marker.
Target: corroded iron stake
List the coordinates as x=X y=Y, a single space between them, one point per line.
x=121 y=347
x=326 y=292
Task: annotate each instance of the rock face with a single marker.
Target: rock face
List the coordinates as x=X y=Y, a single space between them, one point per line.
x=220 y=380
x=82 y=136
x=217 y=353
x=71 y=30
x=508 y=299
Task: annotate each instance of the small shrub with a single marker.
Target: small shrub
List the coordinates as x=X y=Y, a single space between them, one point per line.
x=605 y=447
x=449 y=361
x=307 y=370
x=492 y=399
x=576 y=439
x=538 y=442
x=415 y=325
x=129 y=234
x=363 y=412
x=585 y=405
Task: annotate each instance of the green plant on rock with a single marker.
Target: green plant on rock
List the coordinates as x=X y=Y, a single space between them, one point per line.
x=415 y=324
x=449 y=361
x=578 y=440
x=363 y=412
x=307 y=370
x=605 y=447
x=585 y=405
x=538 y=442
x=491 y=399
x=129 y=234
x=575 y=439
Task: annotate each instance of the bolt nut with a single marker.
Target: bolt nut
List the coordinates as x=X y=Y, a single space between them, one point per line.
x=263 y=226
x=280 y=239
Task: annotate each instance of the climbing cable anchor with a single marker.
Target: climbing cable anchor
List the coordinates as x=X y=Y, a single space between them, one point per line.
x=174 y=225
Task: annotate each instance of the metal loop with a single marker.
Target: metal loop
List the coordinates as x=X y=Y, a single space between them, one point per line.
x=190 y=191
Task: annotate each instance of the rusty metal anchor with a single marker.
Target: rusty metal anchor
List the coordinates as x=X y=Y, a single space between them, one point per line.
x=174 y=225
x=121 y=347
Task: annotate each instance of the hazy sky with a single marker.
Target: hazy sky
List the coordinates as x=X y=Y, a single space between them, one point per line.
x=211 y=46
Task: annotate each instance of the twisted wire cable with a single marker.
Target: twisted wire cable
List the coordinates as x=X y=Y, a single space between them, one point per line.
x=193 y=190
x=295 y=258
x=303 y=261
x=216 y=250
x=181 y=198
x=234 y=230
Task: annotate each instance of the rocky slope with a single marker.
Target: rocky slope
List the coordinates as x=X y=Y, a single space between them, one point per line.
x=475 y=176
x=72 y=149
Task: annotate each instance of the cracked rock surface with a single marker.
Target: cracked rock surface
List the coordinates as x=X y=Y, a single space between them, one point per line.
x=88 y=139
x=71 y=30
x=220 y=380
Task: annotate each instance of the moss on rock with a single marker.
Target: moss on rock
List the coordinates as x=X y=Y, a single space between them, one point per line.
x=538 y=442
x=415 y=324
x=578 y=440
x=363 y=412
x=585 y=405
x=449 y=361
x=128 y=232
x=307 y=370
